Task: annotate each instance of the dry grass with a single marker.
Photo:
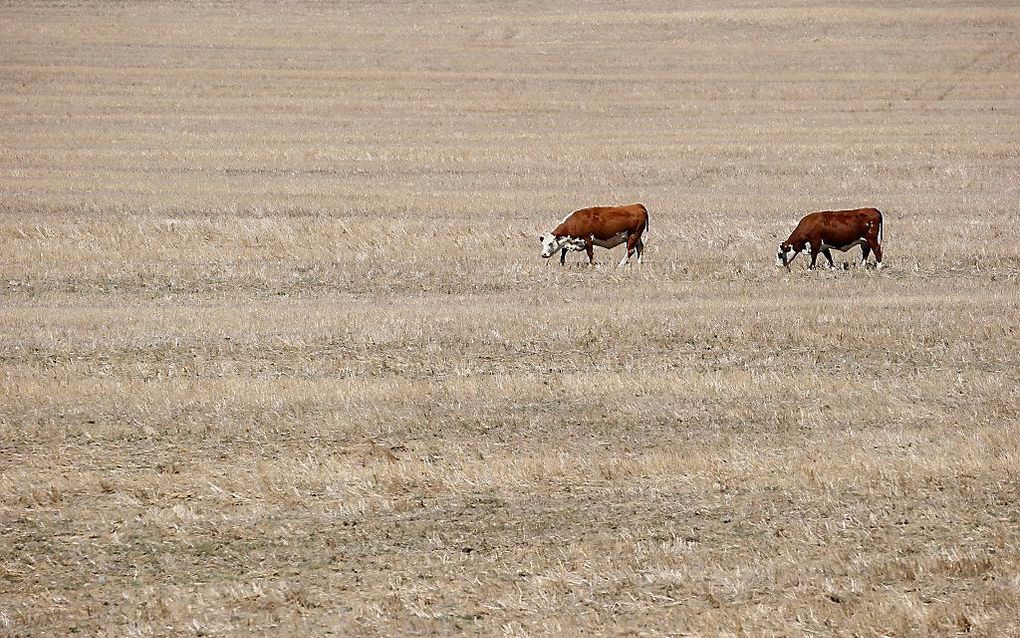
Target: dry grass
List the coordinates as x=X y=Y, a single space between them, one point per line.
x=278 y=354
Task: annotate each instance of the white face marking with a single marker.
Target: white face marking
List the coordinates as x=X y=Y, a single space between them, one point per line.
x=788 y=256
x=552 y=244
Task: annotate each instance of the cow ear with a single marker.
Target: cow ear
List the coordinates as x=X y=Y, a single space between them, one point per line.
x=542 y=238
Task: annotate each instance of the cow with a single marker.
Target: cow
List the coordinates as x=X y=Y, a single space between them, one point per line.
x=606 y=226
x=839 y=229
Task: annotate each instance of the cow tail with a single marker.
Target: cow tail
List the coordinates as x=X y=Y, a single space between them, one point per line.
x=881 y=223
x=648 y=222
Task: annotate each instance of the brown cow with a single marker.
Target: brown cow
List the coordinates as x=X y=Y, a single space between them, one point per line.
x=839 y=229
x=606 y=226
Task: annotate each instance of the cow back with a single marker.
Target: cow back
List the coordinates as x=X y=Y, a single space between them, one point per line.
x=603 y=222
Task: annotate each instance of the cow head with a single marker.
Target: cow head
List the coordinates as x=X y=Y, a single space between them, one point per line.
x=787 y=253
x=551 y=244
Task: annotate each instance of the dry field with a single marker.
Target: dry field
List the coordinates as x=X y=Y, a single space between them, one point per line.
x=278 y=354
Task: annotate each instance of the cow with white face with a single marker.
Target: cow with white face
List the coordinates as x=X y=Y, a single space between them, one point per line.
x=605 y=226
x=839 y=230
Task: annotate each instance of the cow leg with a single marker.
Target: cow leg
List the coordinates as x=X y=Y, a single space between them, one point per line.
x=865 y=251
x=589 y=248
x=875 y=247
x=632 y=241
x=563 y=256
x=814 y=256
x=828 y=255
x=640 y=249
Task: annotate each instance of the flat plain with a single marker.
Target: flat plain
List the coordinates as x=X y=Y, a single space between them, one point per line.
x=278 y=354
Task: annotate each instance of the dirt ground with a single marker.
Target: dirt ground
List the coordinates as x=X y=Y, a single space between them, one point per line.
x=278 y=354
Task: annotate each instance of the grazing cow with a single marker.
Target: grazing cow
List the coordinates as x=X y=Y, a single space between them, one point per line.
x=839 y=229
x=606 y=226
